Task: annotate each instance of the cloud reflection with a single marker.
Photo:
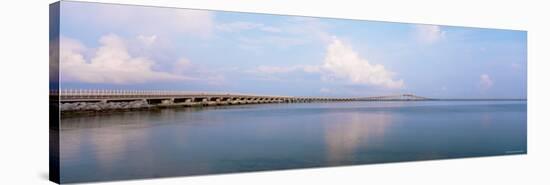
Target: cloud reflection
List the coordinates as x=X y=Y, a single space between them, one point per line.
x=354 y=131
x=107 y=140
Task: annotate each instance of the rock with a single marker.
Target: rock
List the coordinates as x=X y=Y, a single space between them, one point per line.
x=98 y=106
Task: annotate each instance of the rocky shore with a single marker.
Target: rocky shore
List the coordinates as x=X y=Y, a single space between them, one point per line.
x=117 y=106
x=99 y=106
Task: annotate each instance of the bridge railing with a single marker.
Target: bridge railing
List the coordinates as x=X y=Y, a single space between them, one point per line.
x=110 y=93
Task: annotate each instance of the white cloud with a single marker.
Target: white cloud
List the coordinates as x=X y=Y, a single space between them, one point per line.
x=342 y=62
x=429 y=33
x=485 y=81
x=111 y=63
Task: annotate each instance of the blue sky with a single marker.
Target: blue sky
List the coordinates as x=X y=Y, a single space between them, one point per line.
x=133 y=47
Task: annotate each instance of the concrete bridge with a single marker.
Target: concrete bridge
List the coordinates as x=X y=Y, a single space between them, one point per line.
x=159 y=97
x=188 y=98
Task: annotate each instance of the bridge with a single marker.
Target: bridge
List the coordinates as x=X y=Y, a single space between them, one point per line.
x=83 y=99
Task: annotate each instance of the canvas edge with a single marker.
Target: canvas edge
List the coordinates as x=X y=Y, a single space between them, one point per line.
x=54 y=30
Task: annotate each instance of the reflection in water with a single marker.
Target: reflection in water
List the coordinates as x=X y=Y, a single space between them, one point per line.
x=175 y=142
x=353 y=132
x=106 y=146
x=113 y=145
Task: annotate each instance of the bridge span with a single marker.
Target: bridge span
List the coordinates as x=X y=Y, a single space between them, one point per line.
x=83 y=99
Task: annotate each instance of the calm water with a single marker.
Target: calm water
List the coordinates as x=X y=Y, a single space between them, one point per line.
x=186 y=141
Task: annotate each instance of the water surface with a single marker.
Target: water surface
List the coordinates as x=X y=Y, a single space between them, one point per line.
x=194 y=141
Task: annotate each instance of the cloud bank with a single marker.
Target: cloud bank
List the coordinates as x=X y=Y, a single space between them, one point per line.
x=342 y=63
x=111 y=63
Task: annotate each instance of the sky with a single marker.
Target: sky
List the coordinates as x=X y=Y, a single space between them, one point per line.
x=106 y=46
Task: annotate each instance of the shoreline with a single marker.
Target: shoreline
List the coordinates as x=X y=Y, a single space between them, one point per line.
x=77 y=109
